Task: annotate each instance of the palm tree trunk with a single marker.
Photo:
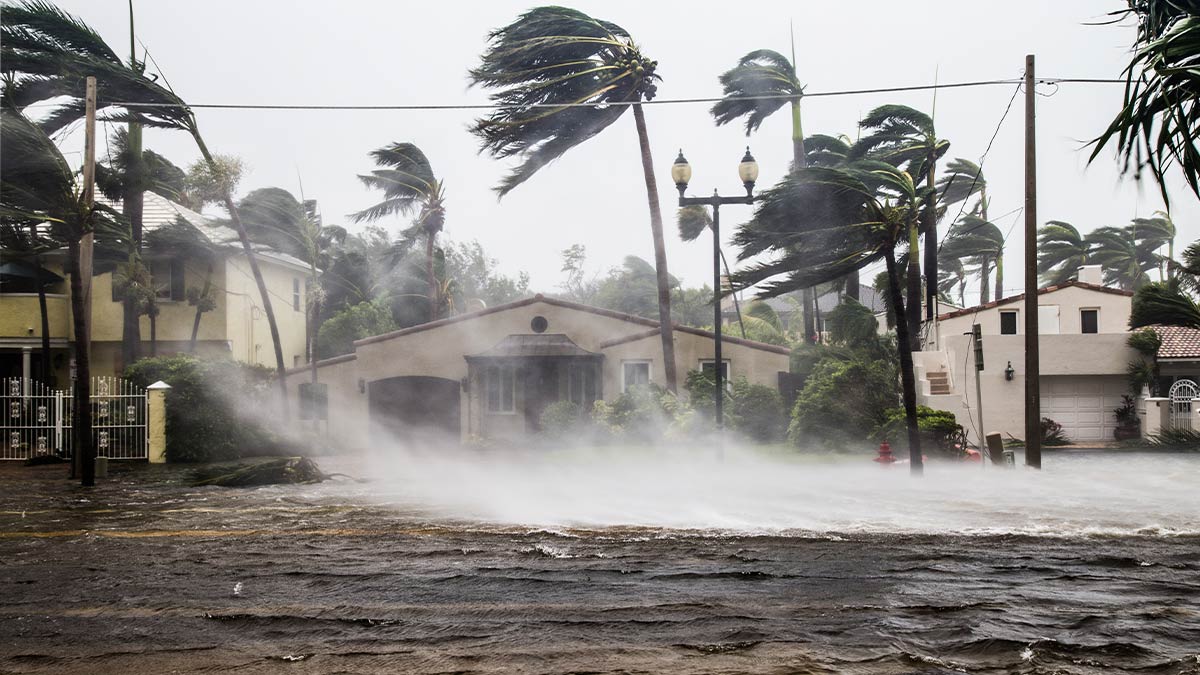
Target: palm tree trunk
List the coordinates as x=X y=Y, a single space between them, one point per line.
x=666 y=330
x=433 y=288
x=800 y=161
x=265 y=296
x=737 y=306
x=1000 y=275
x=931 y=246
x=46 y=373
x=912 y=310
x=908 y=378
x=985 y=285
x=83 y=453
x=852 y=286
x=200 y=308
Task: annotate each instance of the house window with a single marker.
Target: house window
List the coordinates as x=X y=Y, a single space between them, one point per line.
x=581 y=384
x=166 y=275
x=634 y=373
x=709 y=369
x=1008 y=322
x=296 y=293
x=1089 y=321
x=500 y=384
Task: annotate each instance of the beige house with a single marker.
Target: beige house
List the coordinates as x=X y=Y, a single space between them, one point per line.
x=491 y=373
x=1083 y=328
x=236 y=327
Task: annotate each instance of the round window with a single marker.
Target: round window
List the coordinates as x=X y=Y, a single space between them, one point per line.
x=539 y=324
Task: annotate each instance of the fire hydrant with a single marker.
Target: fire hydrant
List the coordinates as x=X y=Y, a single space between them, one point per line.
x=885 y=454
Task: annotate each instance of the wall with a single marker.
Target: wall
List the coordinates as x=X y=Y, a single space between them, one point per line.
x=246 y=325
x=1114 y=313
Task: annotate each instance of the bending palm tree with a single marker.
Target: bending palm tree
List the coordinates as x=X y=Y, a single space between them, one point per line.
x=561 y=58
x=976 y=240
x=904 y=137
x=1125 y=263
x=1062 y=250
x=409 y=184
x=822 y=222
x=1151 y=234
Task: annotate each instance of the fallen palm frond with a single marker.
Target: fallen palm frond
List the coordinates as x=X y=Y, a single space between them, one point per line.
x=282 y=471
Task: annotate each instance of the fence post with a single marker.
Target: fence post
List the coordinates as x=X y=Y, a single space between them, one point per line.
x=58 y=423
x=156 y=422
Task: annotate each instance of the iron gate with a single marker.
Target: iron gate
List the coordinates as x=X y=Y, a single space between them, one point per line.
x=36 y=420
x=1182 y=393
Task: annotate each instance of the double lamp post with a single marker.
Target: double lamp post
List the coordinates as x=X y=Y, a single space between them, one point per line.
x=681 y=173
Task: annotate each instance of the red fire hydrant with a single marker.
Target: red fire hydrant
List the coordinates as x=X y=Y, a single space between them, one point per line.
x=885 y=454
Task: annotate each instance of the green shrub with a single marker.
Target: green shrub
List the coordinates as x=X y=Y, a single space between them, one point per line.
x=1146 y=341
x=757 y=411
x=1052 y=433
x=940 y=431
x=562 y=418
x=338 y=332
x=644 y=413
x=204 y=422
x=843 y=402
x=1177 y=438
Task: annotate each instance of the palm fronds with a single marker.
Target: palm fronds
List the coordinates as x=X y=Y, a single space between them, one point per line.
x=761 y=73
x=1161 y=303
x=1062 y=250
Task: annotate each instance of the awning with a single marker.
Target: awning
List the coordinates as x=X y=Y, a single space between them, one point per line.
x=534 y=345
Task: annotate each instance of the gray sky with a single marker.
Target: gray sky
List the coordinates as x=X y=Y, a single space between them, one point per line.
x=307 y=51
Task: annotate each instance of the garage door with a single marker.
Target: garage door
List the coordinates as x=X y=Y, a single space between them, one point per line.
x=1083 y=404
x=407 y=407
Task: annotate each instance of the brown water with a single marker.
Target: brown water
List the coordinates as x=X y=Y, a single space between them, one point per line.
x=144 y=575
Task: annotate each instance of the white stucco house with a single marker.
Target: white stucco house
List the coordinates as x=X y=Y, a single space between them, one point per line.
x=1084 y=360
x=491 y=373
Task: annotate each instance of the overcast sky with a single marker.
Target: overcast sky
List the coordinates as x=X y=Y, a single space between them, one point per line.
x=307 y=51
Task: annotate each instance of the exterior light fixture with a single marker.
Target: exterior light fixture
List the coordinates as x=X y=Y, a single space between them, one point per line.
x=1009 y=373
x=747 y=171
x=681 y=173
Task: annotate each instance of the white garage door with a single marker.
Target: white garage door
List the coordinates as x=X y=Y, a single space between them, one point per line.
x=1083 y=404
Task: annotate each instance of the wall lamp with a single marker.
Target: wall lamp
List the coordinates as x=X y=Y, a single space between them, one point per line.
x=1009 y=373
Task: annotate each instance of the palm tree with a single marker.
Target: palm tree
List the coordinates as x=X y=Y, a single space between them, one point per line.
x=182 y=239
x=754 y=89
x=693 y=221
x=952 y=275
x=905 y=137
x=1159 y=119
x=561 y=77
x=822 y=222
x=48 y=55
x=1164 y=304
x=22 y=240
x=977 y=241
x=1062 y=250
x=1151 y=234
x=409 y=184
x=1125 y=263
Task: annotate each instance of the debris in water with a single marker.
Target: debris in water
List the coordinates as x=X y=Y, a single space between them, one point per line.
x=237 y=589
x=285 y=470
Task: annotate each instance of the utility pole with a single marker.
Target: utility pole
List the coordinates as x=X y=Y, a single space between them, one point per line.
x=1033 y=402
x=84 y=450
x=977 y=338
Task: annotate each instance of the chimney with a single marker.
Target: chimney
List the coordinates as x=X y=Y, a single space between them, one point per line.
x=1091 y=274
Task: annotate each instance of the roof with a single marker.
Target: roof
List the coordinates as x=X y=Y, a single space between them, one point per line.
x=867 y=296
x=1178 y=342
x=547 y=344
x=1041 y=291
x=621 y=316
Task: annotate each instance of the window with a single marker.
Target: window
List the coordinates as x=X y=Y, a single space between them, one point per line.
x=167 y=278
x=296 y=293
x=581 y=384
x=1008 y=322
x=634 y=373
x=500 y=384
x=1089 y=321
x=709 y=369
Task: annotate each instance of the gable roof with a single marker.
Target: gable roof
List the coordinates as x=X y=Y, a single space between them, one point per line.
x=557 y=302
x=1178 y=342
x=1041 y=291
x=544 y=344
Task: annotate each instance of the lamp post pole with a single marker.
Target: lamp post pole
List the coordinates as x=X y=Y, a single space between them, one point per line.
x=681 y=172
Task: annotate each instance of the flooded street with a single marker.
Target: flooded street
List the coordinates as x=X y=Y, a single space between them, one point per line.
x=146 y=575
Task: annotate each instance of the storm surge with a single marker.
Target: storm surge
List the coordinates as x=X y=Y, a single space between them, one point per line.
x=749 y=492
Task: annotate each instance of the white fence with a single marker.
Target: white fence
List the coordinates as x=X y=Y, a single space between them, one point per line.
x=1183 y=394
x=36 y=420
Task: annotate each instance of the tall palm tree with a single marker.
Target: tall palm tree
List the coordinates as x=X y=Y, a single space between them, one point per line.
x=1062 y=250
x=561 y=77
x=1159 y=119
x=48 y=54
x=1125 y=263
x=409 y=185
x=757 y=87
x=1151 y=234
x=975 y=240
x=905 y=137
x=821 y=222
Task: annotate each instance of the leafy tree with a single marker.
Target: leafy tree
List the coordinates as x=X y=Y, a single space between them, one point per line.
x=1159 y=119
x=693 y=220
x=1062 y=250
x=475 y=275
x=852 y=324
x=338 y=333
x=843 y=401
x=542 y=67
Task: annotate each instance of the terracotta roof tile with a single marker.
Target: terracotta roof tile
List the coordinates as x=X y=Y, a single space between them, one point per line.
x=1178 y=342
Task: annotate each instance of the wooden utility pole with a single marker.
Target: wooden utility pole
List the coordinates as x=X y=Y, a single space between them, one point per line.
x=84 y=450
x=1033 y=402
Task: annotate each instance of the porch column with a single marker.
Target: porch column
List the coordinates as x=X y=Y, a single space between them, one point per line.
x=1154 y=414
x=156 y=422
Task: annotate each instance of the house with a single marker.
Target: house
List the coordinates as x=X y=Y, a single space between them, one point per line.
x=491 y=373
x=1084 y=356
x=236 y=327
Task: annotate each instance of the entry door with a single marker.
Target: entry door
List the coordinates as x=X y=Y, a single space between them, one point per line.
x=541 y=389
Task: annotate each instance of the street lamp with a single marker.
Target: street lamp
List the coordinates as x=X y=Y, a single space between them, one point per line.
x=681 y=173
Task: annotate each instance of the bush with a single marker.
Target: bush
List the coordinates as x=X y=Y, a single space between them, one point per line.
x=1180 y=439
x=562 y=418
x=757 y=411
x=644 y=413
x=843 y=402
x=338 y=332
x=204 y=422
x=939 y=430
x=1052 y=433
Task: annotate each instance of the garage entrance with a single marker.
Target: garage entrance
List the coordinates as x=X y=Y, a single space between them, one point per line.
x=404 y=407
x=1084 y=404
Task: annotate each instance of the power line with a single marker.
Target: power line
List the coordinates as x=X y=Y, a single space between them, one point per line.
x=556 y=106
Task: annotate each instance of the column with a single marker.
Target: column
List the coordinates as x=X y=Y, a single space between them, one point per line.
x=156 y=422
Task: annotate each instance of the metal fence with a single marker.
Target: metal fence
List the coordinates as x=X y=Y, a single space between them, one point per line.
x=36 y=420
x=1183 y=394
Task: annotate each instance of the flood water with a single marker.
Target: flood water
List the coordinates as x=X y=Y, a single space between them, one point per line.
x=609 y=562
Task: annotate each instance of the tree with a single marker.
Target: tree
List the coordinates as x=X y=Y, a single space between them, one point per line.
x=1062 y=250
x=975 y=240
x=409 y=185
x=693 y=220
x=476 y=277
x=1125 y=263
x=905 y=137
x=1159 y=119
x=338 y=332
x=184 y=240
x=821 y=222
x=1151 y=234
x=1163 y=304
x=49 y=55
x=543 y=66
